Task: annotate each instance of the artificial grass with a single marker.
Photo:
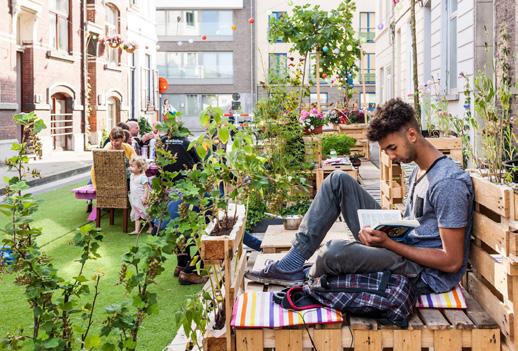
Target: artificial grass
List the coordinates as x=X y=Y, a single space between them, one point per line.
x=59 y=216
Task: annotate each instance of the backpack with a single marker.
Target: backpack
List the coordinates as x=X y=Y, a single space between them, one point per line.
x=386 y=297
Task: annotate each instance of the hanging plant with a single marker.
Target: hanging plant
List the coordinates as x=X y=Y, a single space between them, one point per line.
x=114 y=41
x=129 y=46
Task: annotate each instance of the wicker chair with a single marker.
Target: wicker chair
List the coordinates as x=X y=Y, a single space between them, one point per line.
x=111 y=185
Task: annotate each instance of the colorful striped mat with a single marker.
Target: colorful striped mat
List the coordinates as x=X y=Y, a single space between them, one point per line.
x=257 y=310
x=451 y=299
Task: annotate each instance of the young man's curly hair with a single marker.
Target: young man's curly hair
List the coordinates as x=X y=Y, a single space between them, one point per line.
x=394 y=115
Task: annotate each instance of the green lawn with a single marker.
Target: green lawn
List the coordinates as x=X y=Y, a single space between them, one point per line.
x=59 y=215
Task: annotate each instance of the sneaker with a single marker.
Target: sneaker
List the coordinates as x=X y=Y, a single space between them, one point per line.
x=273 y=275
x=191 y=278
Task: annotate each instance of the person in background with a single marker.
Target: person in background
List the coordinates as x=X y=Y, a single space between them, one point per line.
x=127 y=135
x=139 y=192
x=168 y=108
x=138 y=141
x=116 y=143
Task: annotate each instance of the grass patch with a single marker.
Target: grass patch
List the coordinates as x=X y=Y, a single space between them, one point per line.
x=59 y=216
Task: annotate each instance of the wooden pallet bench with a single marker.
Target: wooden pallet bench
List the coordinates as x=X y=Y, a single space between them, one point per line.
x=440 y=329
x=392 y=182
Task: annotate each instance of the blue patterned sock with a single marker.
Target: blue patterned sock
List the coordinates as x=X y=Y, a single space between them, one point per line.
x=293 y=261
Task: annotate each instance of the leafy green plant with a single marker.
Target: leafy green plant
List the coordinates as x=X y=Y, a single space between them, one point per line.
x=144 y=125
x=53 y=299
x=341 y=143
x=297 y=208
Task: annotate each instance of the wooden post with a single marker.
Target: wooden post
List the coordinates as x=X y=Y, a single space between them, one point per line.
x=318 y=79
x=228 y=304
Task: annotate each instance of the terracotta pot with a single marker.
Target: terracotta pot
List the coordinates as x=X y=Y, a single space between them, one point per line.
x=317 y=130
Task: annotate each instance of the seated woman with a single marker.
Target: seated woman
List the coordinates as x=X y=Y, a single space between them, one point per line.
x=117 y=137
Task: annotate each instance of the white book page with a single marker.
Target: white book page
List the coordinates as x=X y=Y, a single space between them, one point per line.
x=371 y=218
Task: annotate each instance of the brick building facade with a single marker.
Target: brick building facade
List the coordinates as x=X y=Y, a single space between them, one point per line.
x=42 y=45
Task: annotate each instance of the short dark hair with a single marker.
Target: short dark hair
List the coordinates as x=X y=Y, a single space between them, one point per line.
x=123 y=125
x=116 y=133
x=394 y=115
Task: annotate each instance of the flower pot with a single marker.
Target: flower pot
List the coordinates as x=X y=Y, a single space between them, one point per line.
x=355 y=161
x=317 y=130
x=511 y=167
x=292 y=222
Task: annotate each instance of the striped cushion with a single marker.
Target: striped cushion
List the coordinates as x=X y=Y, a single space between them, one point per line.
x=257 y=309
x=451 y=299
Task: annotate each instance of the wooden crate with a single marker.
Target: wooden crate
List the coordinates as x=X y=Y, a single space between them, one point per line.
x=225 y=252
x=277 y=239
x=357 y=131
x=392 y=182
x=494 y=277
x=450 y=146
x=324 y=171
x=442 y=329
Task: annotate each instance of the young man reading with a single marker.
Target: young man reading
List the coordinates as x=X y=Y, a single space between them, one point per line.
x=440 y=198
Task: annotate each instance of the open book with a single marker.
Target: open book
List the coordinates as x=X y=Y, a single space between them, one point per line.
x=388 y=221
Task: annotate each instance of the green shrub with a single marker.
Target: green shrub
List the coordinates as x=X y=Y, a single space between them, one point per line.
x=341 y=143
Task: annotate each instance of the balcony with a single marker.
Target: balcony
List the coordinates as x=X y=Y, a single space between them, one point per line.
x=367 y=36
x=369 y=75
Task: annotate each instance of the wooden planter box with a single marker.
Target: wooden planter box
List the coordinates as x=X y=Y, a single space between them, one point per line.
x=494 y=277
x=357 y=131
x=392 y=182
x=226 y=252
x=324 y=171
x=450 y=146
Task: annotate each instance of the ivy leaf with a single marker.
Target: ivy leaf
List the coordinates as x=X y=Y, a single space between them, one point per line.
x=223 y=135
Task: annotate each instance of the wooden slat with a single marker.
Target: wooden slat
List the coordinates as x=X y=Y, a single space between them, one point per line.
x=447 y=340
x=494 y=272
x=407 y=340
x=367 y=340
x=249 y=340
x=477 y=314
x=495 y=197
x=494 y=307
x=288 y=339
x=433 y=319
x=458 y=319
x=493 y=234
x=237 y=280
x=443 y=143
x=328 y=339
x=359 y=323
x=485 y=340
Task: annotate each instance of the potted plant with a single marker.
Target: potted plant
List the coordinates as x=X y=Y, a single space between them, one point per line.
x=129 y=46
x=341 y=143
x=312 y=121
x=113 y=41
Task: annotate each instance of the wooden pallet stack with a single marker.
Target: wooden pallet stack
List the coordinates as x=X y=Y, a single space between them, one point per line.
x=226 y=253
x=450 y=146
x=494 y=277
x=392 y=182
x=357 y=131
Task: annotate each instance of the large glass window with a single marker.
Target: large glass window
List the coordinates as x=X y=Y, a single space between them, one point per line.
x=367 y=29
x=275 y=16
x=451 y=69
x=59 y=13
x=368 y=69
x=278 y=64
x=194 y=22
x=111 y=28
x=191 y=105
x=196 y=65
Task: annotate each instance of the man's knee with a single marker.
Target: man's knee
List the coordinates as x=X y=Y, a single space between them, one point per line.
x=339 y=177
x=330 y=257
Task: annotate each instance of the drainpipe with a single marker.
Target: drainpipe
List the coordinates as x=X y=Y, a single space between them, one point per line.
x=84 y=72
x=252 y=63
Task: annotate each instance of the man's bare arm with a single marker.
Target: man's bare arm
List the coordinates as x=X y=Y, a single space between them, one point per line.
x=447 y=259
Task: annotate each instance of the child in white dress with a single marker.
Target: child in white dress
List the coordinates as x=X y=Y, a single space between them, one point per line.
x=139 y=191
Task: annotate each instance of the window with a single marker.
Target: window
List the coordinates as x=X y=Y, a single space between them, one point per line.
x=112 y=28
x=368 y=69
x=147 y=82
x=275 y=15
x=312 y=69
x=278 y=64
x=191 y=105
x=59 y=28
x=313 y=98
x=61 y=122
x=367 y=30
x=196 y=65
x=370 y=101
x=194 y=22
x=451 y=45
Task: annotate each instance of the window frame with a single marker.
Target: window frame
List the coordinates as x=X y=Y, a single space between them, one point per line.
x=276 y=15
x=277 y=56
x=452 y=60
x=55 y=21
x=113 y=55
x=369 y=31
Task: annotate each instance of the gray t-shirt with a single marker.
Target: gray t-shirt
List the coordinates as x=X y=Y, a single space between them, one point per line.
x=442 y=198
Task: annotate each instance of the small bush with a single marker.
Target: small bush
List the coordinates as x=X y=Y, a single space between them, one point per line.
x=341 y=143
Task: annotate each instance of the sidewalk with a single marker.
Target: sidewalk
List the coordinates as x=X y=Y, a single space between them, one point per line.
x=57 y=166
